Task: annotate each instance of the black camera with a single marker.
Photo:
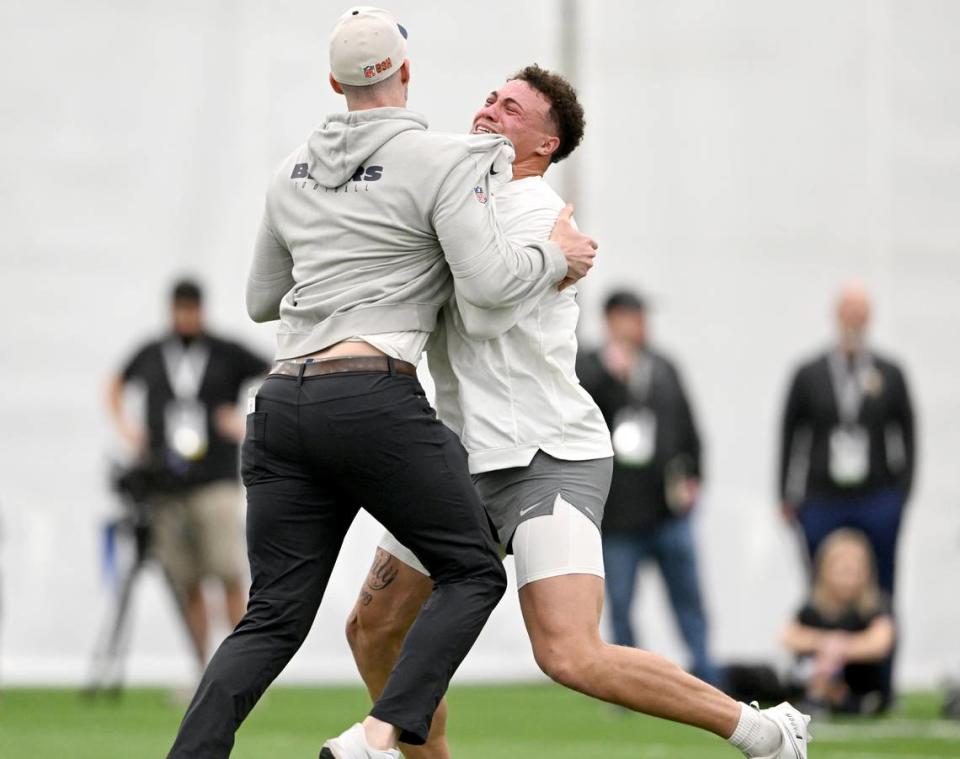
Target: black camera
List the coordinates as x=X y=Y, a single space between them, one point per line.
x=141 y=481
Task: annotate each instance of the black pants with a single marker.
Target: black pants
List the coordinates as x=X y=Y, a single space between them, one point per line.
x=317 y=450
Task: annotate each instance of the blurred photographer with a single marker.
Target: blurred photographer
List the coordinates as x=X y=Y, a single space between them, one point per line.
x=187 y=451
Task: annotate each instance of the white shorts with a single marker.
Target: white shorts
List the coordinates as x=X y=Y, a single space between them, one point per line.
x=562 y=542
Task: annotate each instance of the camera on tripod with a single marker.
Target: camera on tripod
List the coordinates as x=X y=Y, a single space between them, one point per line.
x=137 y=487
x=141 y=481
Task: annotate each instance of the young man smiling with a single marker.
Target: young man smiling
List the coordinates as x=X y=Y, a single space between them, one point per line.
x=540 y=456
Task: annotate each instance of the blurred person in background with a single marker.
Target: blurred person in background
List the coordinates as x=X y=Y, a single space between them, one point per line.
x=844 y=634
x=847 y=448
x=188 y=448
x=656 y=476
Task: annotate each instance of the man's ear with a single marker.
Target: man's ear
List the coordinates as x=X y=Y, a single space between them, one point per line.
x=336 y=85
x=405 y=71
x=549 y=146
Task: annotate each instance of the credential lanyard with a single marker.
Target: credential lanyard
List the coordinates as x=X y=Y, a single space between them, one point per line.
x=641 y=378
x=849 y=381
x=185 y=367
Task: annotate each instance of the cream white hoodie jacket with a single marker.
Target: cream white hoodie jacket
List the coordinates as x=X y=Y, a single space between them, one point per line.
x=374 y=223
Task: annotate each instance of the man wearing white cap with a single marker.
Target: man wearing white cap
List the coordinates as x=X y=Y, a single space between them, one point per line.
x=540 y=455
x=369 y=228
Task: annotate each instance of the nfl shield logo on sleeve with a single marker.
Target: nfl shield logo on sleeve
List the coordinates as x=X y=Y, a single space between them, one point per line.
x=480 y=194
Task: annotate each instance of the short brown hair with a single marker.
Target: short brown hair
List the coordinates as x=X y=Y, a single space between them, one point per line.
x=565 y=110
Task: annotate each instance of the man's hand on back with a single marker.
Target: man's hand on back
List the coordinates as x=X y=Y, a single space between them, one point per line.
x=579 y=249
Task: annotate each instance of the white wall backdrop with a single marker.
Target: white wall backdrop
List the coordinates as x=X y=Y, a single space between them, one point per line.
x=742 y=160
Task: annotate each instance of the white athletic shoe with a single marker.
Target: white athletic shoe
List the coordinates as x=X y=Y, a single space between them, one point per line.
x=352 y=744
x=793 y=728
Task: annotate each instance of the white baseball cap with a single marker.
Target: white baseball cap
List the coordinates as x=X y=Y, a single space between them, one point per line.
x=367 y=46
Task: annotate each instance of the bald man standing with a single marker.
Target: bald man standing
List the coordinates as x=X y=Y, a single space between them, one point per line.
x=848 y=452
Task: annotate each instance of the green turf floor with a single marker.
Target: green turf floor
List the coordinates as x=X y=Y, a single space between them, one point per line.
x=530 y=721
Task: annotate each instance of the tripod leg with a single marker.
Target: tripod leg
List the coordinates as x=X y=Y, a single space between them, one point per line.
x=107 y=664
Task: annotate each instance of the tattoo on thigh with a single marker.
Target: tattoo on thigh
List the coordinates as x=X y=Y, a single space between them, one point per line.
x=383 y=572
x=365 y=598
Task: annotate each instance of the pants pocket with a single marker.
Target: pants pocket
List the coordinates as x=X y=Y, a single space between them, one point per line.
x=252 y=453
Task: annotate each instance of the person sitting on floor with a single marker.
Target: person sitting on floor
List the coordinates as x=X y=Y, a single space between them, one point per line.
x=845 y=632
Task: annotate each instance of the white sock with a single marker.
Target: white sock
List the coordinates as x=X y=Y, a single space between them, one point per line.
x=755 y=734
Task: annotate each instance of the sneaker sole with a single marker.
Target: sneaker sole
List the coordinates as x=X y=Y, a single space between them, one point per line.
x=326 y=753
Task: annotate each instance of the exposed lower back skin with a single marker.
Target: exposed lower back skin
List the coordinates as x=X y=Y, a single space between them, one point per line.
x=346 y=348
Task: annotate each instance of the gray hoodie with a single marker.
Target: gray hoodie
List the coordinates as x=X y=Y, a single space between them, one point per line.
x=375 y=222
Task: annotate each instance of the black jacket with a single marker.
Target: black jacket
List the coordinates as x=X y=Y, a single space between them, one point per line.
x=637 y=498
x=811 y=414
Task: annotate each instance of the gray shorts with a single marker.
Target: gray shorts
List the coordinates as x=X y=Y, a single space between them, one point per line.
x=515 y=495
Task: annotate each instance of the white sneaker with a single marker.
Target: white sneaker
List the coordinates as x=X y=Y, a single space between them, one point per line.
x=352 y=744
x=793 y=728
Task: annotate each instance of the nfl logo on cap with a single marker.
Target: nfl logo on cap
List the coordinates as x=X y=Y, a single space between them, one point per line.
x=367 y=46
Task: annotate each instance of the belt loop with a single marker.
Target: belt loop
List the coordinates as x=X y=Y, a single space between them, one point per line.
x=391 y=365
x=300 y=371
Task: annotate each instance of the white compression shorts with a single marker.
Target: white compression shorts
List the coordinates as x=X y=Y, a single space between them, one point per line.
x=563 y=542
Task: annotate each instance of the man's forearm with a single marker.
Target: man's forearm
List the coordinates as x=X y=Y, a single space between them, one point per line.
x=506 y=275
x=873 y=644
x=801 y=639
x=271 y=276
x=118 y=414
x=488 y=270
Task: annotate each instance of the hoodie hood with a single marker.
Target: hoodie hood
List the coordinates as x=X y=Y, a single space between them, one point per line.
x=344 y=142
